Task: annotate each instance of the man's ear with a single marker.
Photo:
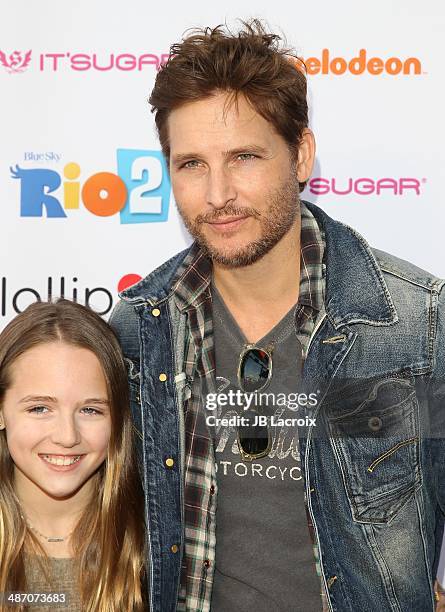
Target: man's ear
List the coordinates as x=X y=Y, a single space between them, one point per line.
x=306 y=155
x=2 y=423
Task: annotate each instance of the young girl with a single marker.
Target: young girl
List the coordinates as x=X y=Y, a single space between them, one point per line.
x=71 y=504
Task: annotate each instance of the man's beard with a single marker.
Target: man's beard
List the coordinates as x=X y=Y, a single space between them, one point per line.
x=275 y=222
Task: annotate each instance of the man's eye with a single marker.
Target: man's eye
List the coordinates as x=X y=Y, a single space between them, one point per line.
x=91 y=411
x=38 y=410
x=246 y=156
x=193 y=163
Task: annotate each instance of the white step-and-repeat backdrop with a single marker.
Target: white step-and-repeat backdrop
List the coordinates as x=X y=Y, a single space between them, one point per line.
x=75 y=127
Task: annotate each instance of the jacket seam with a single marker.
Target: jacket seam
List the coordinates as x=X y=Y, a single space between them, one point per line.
x=412 y=281
x=176 y=403
x=381 y=563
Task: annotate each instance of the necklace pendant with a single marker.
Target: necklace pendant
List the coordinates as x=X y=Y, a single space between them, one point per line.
x=55 y=539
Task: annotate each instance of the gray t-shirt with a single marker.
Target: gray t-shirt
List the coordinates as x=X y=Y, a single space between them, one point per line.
x=264 y=555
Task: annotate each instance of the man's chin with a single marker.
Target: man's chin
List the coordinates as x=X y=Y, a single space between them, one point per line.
x=235 y=257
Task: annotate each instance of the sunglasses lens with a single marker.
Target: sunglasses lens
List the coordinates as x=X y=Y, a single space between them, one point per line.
x=253 y=439
x=254 y=370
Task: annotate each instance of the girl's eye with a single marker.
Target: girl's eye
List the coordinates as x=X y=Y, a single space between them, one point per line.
x=38 y=410
x=90 y=411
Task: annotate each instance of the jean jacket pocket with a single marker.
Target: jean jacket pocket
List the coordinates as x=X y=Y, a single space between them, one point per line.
x=374 y=430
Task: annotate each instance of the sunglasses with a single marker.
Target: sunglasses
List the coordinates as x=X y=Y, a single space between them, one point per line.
x=254 y=374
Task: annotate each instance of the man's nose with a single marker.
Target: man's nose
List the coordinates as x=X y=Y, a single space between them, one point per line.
x=220 y=188
x=66 y=431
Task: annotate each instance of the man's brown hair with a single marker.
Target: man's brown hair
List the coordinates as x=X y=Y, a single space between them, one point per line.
x=251 y=62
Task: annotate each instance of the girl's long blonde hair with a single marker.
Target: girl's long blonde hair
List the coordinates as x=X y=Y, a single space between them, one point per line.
x=108 y=541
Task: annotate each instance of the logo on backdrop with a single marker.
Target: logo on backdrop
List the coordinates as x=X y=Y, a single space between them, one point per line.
x=17 y=61
x=324 y=63
x=140 y=191
x=364 y=186
x=361 y=64
x=14 y=300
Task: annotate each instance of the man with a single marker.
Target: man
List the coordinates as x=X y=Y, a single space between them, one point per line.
x=279 y=366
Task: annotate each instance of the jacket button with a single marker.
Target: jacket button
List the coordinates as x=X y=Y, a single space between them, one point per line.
x=156 y=312
x=162 y=377
x=375 y=423
x=206 y=564
x=212 y=490
x=169 y=462
x=174 y=548
x=331 y=581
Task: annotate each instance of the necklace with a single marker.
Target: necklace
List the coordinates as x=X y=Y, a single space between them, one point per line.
x=48 y=539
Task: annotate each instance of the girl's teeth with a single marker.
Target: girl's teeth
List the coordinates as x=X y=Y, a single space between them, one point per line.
x=61 y=460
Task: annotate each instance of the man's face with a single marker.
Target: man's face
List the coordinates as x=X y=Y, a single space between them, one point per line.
x=234 y=178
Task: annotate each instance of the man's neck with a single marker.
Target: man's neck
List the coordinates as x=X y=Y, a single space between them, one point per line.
x=259 y=295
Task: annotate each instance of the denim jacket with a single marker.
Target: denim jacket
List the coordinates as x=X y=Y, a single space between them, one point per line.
x=374 y=463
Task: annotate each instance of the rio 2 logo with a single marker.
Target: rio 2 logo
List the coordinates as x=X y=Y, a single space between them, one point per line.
x=139 y=192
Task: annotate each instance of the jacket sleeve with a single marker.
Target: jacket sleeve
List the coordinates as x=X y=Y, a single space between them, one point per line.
x=436 y=394
x=125 y=323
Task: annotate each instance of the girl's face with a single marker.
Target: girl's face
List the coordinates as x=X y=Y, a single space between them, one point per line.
x=57 y=418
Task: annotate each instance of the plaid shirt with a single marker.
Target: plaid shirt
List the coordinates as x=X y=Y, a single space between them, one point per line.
x=193 y=295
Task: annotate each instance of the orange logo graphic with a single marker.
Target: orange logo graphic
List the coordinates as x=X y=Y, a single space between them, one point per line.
x=361 y=64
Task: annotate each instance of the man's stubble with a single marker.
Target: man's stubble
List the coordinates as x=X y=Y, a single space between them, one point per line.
x=275 y=222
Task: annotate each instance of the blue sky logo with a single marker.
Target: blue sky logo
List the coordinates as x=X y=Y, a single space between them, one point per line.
x=140 y=191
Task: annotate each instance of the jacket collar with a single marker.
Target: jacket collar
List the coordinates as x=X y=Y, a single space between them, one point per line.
x=159 y=284
x=355 y=289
